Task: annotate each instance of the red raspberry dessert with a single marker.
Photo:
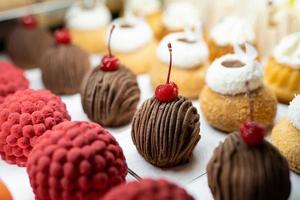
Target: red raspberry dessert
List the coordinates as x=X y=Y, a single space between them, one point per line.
x=24 y=116
x=12 y=79
x=148 y=189
x=75 y=161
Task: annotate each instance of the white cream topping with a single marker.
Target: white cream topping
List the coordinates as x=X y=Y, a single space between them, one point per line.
x=232 y=30
x=186 y=54
x=230 y=80
x=144 y=7
x=130 y=34
x=288 y=51
x=294 y=112
x=181 y=14
x=81 y=18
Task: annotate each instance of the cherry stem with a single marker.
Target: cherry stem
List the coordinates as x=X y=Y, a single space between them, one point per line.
x=248 y=93
x=110 y=34
x=170 y=63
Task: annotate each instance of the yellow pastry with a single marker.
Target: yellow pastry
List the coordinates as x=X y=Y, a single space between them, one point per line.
x=286 y=135
x=282 y=73
x=189 y=63
x=232 y=82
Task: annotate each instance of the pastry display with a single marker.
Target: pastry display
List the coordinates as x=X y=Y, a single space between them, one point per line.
x=190 y=62
x=87 y=21
x=24 y=116
x=64 y=65
x=110 y=92
x=75 y=161
x=148 y=189
x=223 y=100
x=286 y=135
x=9 y=85
x=4 y=192
x=133 y=43
x=28 y=42
x=230 y=31
x=282 y=72
x=165 y=130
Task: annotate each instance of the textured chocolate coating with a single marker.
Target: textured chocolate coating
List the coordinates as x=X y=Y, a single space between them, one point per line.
x=110 y=98
x=63 y=68
x=237 y=171
x=25 y=46
x=165 y=134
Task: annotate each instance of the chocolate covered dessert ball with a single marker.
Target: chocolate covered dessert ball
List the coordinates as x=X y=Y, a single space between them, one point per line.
x=148 y=189
x=75 y=161
x=24 y=117
x=64 y=65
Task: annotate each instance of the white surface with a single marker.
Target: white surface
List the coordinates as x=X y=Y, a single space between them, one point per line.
x=191 y=176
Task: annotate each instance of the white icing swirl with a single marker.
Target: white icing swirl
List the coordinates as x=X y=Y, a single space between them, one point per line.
x=230 y=80
x=232 y=30
x=81 y=18
x=294 y=112
x=179 y=15
x=288 y=51
x=130 y=34
x=185 y=54
x=144 y=7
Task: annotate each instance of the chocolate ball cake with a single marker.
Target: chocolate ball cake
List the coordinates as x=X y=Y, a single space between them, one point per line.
x=166 y=128
x=64 y=65
x=28 y=42
x=110 y=93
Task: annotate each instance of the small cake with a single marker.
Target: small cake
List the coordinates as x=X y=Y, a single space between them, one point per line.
x=9 y=85
x=64 y=65
x=148 y=189
x=190 y=62
x=247 y=167
x=28 y=42
x=133 y=43
x=230 y=31
x=110 y=93
x=87 y=22
x=286 y=135
x=282 y=73
x=4 y=192
x=75 y=160
x=229 y=81
x=24 y=116
x=165 y=130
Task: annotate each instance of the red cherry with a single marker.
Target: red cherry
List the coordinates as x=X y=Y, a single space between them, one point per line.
x=62 y=36
x=252 y=133
x=29 y=21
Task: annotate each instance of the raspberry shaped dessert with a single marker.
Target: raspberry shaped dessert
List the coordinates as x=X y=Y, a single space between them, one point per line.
x=24 y=116
x=12 y=79
x=148 y=189
x=75 y=161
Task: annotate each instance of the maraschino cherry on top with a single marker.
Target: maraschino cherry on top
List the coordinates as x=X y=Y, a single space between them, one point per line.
x=62 y=36
x=110 y=62
x=169 y=91
x=29 y=21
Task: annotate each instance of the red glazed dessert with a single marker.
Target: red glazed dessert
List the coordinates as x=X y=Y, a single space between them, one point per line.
x=76 y=161
x=12 y=79
x=148 y=189
x=24 y=116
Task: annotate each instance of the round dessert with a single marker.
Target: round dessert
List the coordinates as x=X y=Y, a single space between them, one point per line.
x=286 y=135
x=27 y=43
x=224 y=102
x=9 y=85
x=247 y=167
x=4 y=192
x=75 y=161
x=282 y=73
x=165 y=130
x=64 y=65
x=134 y=43
x=24 y=117
x=190 y=63
x=148 y=189
x=230 y=31
x=110 y=92
x=87 y=22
